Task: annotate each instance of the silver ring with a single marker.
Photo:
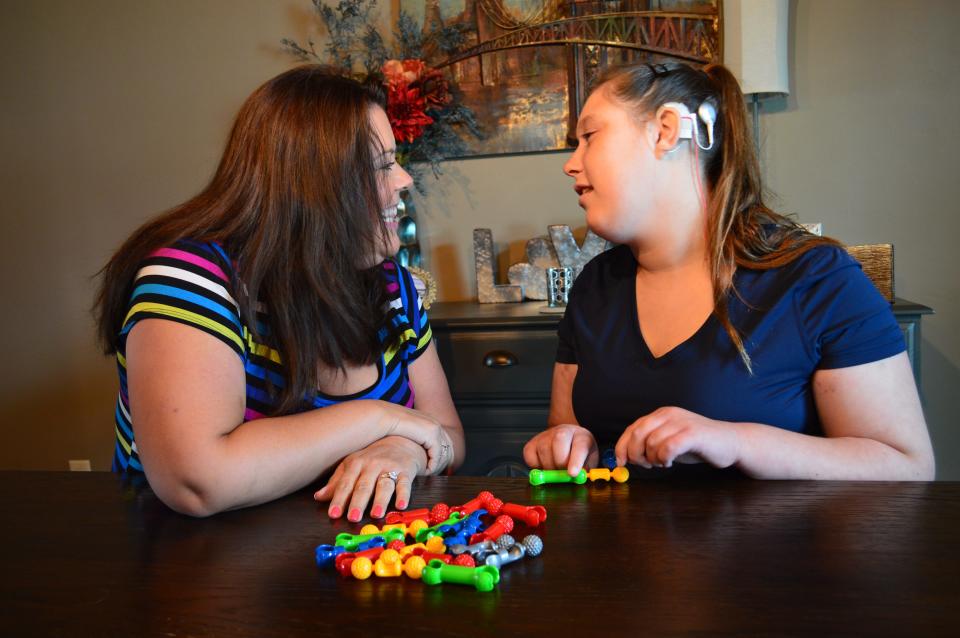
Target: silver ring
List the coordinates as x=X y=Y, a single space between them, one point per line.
x=444 y=449
x=393 y=476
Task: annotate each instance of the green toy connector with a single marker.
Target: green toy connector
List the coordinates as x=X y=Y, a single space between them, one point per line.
x=541 y=477
x=484 y=578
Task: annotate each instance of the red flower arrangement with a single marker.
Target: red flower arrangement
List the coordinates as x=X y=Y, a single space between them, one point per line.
x=427 y=120
x=406 y=102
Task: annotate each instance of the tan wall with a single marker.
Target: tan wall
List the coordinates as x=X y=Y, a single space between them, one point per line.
x=113 y=110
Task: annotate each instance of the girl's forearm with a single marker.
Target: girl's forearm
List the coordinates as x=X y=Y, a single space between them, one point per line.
x=773 y=453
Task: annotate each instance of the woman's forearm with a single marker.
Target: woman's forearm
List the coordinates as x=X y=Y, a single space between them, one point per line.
x=773 y=453
x=264 y=459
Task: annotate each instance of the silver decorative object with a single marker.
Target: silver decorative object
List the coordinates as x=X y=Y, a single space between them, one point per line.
x=569 y=253
x=487 y=289
x=531 y=274
x=559 y=282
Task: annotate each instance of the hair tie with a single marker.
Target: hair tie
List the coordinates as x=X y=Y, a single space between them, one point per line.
x=658 y=70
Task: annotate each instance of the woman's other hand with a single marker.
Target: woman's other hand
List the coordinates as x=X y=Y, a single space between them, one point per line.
x=361 y=475
x=562 y=446
x=424 y=430
x=674 y=434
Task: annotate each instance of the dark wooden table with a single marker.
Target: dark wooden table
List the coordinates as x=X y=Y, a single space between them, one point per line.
x=91 y=555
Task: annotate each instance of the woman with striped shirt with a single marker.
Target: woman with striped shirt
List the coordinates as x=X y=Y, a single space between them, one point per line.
x=263 y=334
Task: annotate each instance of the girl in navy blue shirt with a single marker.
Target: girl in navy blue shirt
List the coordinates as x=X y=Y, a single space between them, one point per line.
x=718 y=331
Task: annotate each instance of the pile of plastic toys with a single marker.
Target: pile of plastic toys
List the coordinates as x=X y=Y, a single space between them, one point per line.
x=450 y=545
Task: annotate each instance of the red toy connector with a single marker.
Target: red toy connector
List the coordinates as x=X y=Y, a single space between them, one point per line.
x=532 y=515
x=503 y=525
x=344 y=561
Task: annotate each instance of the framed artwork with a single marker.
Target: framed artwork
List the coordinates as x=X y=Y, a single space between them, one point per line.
x=524 y=66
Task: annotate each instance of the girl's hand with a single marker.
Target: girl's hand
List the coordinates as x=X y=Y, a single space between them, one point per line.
x=422 y=429
x=674 y=434
x=361 y=475
x=562 y=446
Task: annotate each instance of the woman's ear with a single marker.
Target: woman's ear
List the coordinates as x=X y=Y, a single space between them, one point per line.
x=669 y=123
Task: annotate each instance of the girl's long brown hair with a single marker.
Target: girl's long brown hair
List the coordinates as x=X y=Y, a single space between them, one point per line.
x=295 y=203
x=742 y=230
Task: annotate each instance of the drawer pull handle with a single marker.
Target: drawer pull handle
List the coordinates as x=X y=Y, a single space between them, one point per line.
x=500 y=359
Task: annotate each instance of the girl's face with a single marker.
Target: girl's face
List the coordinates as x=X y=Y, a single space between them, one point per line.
x=615 y=170
x=393 y=179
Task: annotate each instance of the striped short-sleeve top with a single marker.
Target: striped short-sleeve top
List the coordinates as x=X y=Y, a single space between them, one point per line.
x=191 y=283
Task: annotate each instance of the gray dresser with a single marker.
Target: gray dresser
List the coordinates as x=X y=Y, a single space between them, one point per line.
x=499 y=362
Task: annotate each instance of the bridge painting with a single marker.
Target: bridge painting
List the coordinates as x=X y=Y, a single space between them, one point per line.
x=526 y=64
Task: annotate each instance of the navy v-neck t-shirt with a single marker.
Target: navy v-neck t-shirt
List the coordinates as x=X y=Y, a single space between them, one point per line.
x=818 y=312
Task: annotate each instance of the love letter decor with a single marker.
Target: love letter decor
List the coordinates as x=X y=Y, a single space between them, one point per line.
x=528 y=279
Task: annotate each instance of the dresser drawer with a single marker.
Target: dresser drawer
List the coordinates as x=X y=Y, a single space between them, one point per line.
x=496 y=436
x=513 y=364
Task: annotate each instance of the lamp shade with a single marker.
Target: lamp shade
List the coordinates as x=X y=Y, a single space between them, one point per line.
x=755 y=44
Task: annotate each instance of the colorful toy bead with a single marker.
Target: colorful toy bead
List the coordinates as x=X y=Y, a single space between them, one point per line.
x=502 y=557
x=532 y=515
x=412 y=529
x=476 y=548
x=437 y=514
x=413 y=566
x=351 y=541
x=407 y=550
x=618 y=474
x=541 y=477
x=325 y=554
x=388 y=565
x=474 y=504
x=361 y=568
x=344 y=561
x=533 y=545
x=429 y=556
x=415 y=527
x=397 y=545
x=503 y=525
x=427 y=532
x=407 y=517
x=494 y=506
x=609 y=458
x=436 y=545
x=482 y=578
x=466 y=560
x=504 y=542
x=376 y=541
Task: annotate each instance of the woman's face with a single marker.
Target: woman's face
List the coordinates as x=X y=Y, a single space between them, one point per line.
x=614 y=168
x=393 y=179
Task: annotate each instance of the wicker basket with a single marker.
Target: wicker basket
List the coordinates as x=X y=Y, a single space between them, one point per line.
x=877 y=262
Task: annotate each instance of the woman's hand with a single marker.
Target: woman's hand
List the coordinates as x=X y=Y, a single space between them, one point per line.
x=424 y=430
x=559 y=446
x=674 y=434
x=360 y=476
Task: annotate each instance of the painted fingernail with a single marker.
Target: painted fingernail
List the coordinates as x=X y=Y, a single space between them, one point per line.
x=401 y=504
x=354 y=515
x=376 y=512
x=335 y=512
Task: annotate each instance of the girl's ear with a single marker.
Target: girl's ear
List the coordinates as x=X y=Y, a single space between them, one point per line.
x=668 y=123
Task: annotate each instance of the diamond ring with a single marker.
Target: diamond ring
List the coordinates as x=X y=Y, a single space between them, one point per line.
x=393 y=476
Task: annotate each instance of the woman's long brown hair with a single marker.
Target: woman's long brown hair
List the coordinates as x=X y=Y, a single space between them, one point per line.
x=742 y=230
x=295 y=203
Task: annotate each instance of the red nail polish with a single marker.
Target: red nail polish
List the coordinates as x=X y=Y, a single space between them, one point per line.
x=354 y=515
x=376 y=511
x=335 y=512
x=401 y=505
